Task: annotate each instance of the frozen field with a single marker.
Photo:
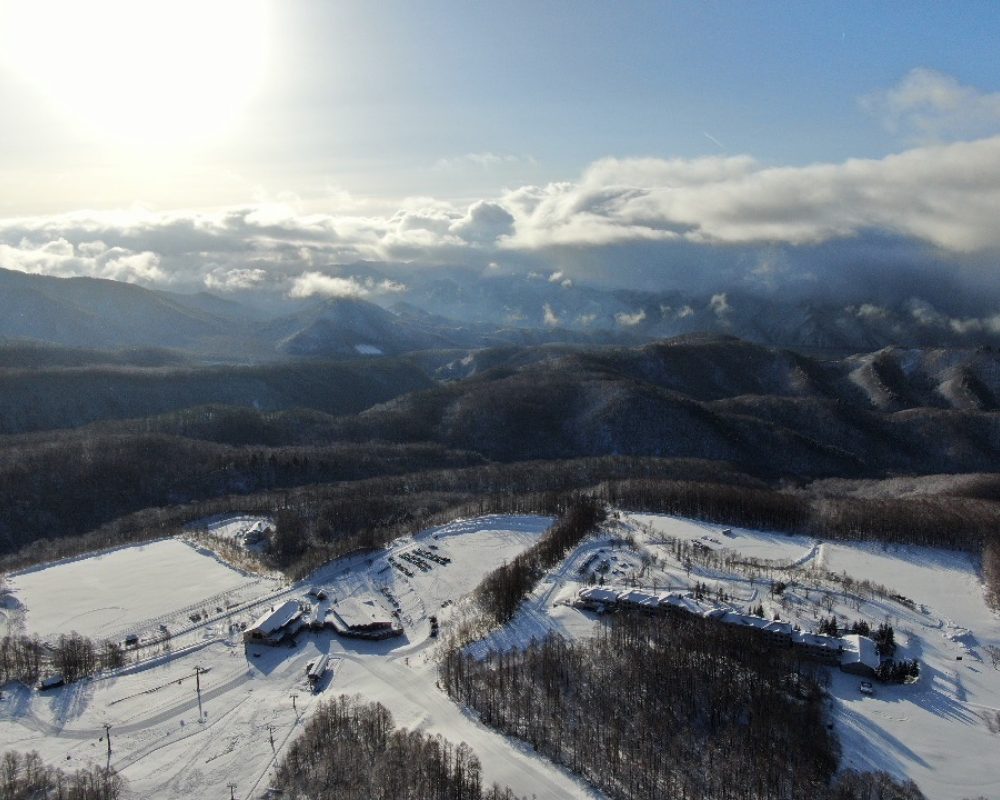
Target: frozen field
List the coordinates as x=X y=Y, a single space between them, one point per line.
x=105 y=594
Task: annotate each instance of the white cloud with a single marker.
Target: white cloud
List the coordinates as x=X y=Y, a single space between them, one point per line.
x=868 y=311
x=549 y=316
x=927 y=105
x=61 y=258
x=627 y=320
x=925 y=314
x=121 y=265
x=483 y=224
x=946 y=195
x=234 y=279
x=720 y=304
x=309 y=284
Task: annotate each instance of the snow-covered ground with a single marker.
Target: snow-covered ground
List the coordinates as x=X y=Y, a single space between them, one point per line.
x=245 y=530
x=943 y=731
x=938 y=731
x=110 y=594
x=165 y=752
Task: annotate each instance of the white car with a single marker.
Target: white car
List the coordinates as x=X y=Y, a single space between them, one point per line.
x=866 y=687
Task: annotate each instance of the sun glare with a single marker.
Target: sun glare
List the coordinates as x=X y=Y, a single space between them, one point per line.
x=148 y=73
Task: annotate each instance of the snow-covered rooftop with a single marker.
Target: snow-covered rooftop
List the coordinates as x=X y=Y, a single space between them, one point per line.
x=357 y=612
x=859 y=650
x=277 y=618
x=817 y=640
x=746 y=620
x=598 y=594
x=638 y=597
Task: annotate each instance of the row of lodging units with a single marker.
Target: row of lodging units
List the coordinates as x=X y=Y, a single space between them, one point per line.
x=357 y=618
x=852 y=653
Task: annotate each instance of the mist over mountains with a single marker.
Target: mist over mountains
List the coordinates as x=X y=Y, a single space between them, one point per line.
x=452 y=308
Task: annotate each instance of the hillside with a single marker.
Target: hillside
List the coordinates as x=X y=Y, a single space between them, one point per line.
x=771 y=411
x=56 y=397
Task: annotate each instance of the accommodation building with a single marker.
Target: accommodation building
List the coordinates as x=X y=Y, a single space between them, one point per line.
x=816 y=645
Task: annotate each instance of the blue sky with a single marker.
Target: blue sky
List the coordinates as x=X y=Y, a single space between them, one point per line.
x=568 y=83
x=467 y=132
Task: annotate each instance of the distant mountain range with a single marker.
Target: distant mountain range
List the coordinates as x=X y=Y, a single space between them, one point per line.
x=98 y=314
x=448 y=310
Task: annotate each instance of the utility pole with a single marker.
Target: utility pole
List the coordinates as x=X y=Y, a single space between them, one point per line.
x=270 y=733
x=197 y=680
x=293 y=696
x=107 y=735
x=232 y=791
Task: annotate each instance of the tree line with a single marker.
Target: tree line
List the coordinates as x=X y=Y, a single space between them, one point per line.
x=991 y=573
x=501 y=592
x=951 y=521
x=351 y=750
x=660 y=707
x=45 y=520
x=340 y=517
x=946 y=520
x=26 y=777
x=27 y=658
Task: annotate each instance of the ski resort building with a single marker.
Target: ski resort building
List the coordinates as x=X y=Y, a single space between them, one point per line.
x=273 y=626
x=362 y=619
x=775 y=631
x=596 y=598
x=860 y=655
x=316 y=670
x=855 y=654
x=600 y=598
x=816 y=645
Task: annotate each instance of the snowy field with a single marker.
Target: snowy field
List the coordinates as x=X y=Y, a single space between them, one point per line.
x=756 y=544
x=943 y=731
x=939 y=731
x=103 y=595
x=164 y=752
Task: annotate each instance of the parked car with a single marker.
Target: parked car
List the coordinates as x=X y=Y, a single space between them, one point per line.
x=867 y=688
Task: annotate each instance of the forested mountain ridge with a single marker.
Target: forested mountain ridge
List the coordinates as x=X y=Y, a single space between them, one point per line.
x=771 y=411
x=67 y=397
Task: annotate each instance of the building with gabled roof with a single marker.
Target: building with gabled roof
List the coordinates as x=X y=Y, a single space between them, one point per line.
x=860 y=655
x=272 y=626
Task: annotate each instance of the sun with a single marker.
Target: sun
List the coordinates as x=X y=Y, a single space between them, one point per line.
x=142 y=71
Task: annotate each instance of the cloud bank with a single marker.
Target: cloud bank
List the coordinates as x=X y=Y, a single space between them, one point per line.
x=625 y=221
